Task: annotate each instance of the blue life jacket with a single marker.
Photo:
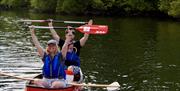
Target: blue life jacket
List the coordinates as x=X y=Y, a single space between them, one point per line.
x=72 y=59
x=53 y=68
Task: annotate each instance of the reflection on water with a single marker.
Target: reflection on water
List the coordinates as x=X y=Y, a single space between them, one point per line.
x=17 y=55
x=142 y=54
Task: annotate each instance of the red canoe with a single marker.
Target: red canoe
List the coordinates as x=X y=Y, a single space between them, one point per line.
x=34 y=88
x=31 y=87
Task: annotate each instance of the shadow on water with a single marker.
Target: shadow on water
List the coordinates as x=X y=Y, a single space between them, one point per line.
x=142 y=54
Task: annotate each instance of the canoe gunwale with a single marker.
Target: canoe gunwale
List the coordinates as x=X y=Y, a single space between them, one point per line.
x=37 y=87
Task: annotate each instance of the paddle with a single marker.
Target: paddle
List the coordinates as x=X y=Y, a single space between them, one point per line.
x=22 y=78
x=109 y=87
x=58 y=21
x=90 y=29
x=112 y=86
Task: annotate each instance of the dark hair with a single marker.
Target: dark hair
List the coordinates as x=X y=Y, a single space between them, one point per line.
x=73 y=31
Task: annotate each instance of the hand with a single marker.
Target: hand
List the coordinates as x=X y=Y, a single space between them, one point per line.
x=68 y=41
x=50 y=23
x=31 y=28
x=90 y=22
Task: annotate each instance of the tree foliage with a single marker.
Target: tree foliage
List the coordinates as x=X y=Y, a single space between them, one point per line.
x=164 y=5
x=71 y=6
x=174 y=8
x=15 y=3
x=44 y=5
x=169 y=7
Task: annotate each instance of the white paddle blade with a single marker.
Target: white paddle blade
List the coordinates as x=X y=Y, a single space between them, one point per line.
x=75 y=22
x=113 y=86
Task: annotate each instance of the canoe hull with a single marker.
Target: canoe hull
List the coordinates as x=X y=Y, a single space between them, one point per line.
x=31 y=88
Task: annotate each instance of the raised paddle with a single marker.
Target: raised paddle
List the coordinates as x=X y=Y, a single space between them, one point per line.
x=90 y=29
x=58 y=21
x=113 y=86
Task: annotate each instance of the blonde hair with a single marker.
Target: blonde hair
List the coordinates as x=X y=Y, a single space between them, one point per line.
x=55 y=51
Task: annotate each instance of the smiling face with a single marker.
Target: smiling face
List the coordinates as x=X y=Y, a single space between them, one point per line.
x=52 y=48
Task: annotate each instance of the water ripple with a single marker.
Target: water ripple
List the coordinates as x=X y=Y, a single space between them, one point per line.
x=17 y=55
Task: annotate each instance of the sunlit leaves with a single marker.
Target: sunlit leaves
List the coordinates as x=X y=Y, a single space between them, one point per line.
x=175 y=8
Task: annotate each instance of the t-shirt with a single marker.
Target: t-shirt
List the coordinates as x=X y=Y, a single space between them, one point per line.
x=76 y=44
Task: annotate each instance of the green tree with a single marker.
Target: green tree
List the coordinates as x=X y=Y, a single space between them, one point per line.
x=120 y=3
x=98 y=4
x=72 y=6
x=5 y=3
x=142 y=5
x=174 y=9
x=44 y=5
x=15 y=3
x=59 y=7
x=164 y=5
x=102 y=4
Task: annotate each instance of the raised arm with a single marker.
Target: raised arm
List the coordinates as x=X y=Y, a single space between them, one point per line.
x=53 y=32
x=36 y=42
x=86 y=35
x=65 y=47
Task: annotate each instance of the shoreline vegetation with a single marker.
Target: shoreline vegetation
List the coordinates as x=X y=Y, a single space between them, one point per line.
x=153 y=8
